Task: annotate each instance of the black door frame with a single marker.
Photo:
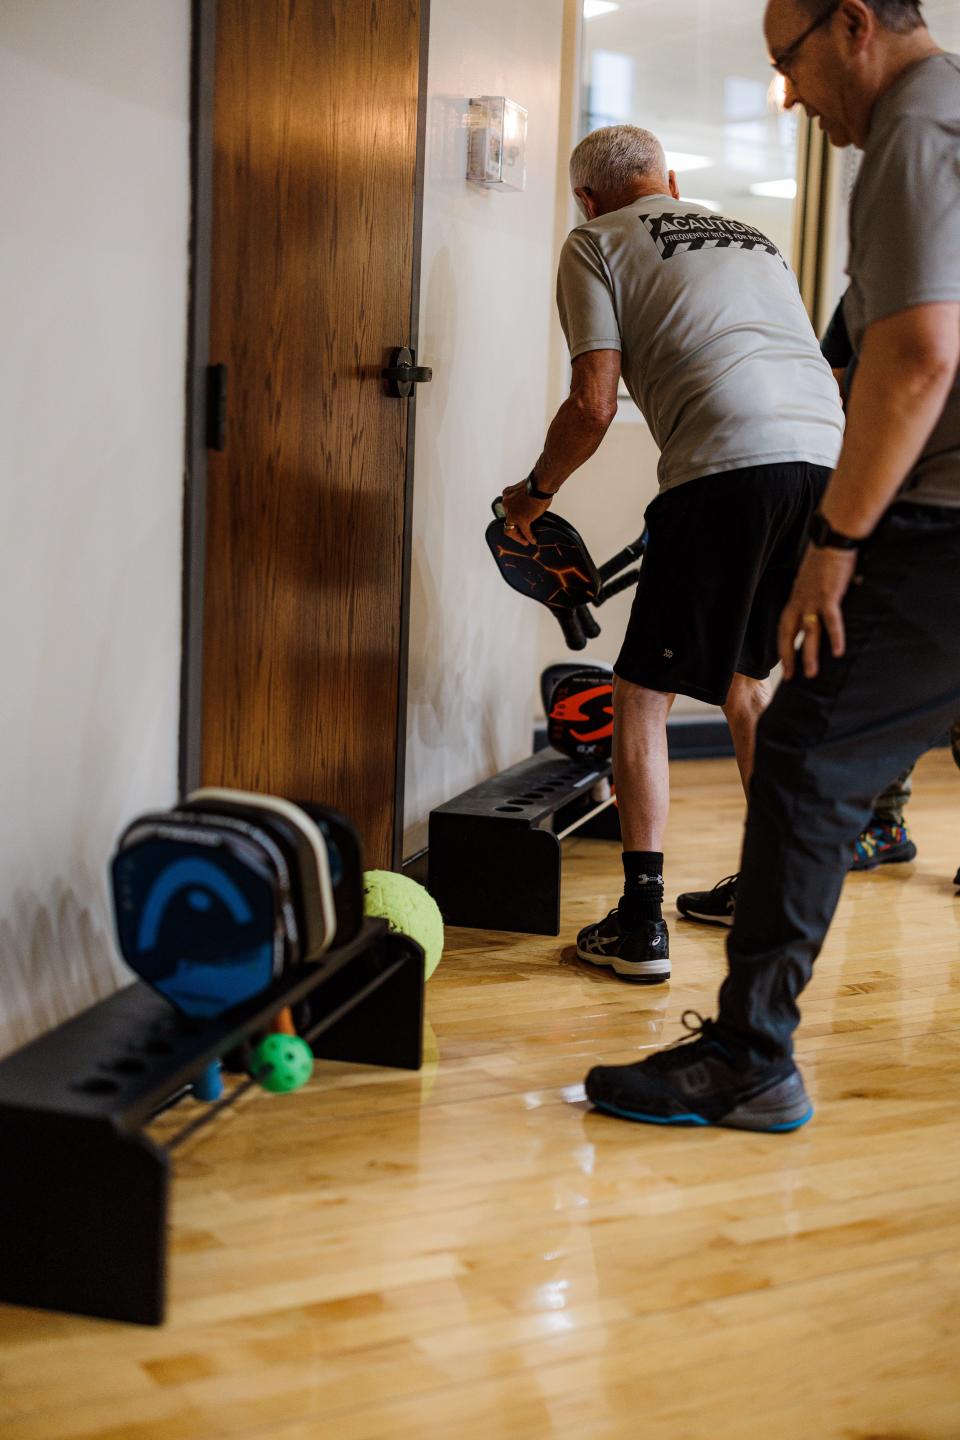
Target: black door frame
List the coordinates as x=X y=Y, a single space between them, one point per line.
x=202 y=79
x=203 y=37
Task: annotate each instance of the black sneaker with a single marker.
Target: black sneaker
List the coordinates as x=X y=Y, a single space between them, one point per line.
x=711 y=907
x=882 y=844
x=642 y=954
x=700 y=1081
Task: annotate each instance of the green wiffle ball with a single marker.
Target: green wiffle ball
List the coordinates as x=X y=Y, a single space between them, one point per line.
x=281 y=1063
x=407 y=908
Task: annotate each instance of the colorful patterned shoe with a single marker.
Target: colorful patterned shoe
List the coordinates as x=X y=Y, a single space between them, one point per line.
x=882 y=844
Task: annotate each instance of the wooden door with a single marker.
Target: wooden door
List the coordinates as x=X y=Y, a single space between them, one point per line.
x=315 y=232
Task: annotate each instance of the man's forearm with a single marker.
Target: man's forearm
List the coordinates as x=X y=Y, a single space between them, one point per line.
x=893 y=406
x=574 y=435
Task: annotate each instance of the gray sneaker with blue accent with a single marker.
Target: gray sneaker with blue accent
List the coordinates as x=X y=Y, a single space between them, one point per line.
x=703 y=1080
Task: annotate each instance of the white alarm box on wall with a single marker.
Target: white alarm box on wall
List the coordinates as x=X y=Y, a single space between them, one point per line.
x=496 y=154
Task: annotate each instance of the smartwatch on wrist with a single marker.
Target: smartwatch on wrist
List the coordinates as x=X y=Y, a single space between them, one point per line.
x=824 y=537
x=533 y=490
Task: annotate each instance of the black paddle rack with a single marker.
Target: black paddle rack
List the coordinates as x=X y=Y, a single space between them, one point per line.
x=84 y=1193
x=494 y=851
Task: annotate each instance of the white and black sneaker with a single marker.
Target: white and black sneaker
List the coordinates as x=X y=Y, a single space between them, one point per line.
x=711 y=907
x=642 y=954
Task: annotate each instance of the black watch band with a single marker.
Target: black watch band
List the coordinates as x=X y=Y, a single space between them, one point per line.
x=824 y=537
x=533 y=490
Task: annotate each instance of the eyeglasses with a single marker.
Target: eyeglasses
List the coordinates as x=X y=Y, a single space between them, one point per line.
x=782 y=62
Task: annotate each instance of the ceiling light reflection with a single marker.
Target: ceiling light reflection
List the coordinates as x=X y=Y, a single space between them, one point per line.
x=785 y=189
x=586 y=1155
x=682 y=160
x=553 y=1295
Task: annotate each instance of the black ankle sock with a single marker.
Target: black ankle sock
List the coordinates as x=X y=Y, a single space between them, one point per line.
x=642 y=888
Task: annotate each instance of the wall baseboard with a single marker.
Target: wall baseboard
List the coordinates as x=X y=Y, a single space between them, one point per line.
x=698 y=737
x=416 y=867
x=689 y=737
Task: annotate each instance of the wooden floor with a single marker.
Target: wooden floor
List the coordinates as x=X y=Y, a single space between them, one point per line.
x=471 y=1253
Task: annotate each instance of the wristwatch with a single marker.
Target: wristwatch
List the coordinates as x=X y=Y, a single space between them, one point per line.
x=824 y=537
x=530 y=485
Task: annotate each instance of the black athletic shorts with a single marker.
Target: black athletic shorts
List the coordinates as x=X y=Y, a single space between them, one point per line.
x=718 y=569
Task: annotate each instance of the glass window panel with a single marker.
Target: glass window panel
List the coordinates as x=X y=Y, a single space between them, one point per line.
x=697 y=74
x=943 y=22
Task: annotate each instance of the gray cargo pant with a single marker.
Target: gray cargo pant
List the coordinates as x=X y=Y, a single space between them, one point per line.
x=889 y=806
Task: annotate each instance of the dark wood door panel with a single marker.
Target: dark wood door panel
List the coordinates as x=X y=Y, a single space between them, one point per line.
x=315 y=132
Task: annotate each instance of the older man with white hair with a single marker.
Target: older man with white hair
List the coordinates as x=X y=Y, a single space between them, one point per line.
x=702 y=317
x=877 y=597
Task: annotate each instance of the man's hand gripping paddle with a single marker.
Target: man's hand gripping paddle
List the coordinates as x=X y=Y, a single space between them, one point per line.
x=559 y=572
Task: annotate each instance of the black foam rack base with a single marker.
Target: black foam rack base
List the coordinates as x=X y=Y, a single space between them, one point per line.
x=494 y=853
x=85 y=1192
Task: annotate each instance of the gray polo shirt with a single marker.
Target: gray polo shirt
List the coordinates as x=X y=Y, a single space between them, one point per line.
x=716 y=347
x=905 y=236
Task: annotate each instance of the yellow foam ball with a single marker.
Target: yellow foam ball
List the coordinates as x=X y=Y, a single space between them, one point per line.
x=408 y=908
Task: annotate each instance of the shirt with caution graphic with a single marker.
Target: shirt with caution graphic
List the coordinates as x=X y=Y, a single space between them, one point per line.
x=716 y=347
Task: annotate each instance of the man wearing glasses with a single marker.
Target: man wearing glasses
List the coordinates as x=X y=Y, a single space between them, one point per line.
x=877 y=597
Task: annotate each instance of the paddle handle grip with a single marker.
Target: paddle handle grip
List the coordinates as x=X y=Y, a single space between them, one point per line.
x=572 y=628
x=620 y=582
x=623 y=557
x=588 y=624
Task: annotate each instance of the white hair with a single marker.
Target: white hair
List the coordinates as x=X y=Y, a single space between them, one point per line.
x=607 y=160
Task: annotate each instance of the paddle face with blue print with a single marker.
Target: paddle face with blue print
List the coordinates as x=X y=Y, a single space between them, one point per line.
x=197 y=921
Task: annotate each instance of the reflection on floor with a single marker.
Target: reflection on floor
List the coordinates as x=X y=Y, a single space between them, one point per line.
x=471 y=1252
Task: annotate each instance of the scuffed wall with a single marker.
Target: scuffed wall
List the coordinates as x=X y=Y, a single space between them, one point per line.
x=94 y=202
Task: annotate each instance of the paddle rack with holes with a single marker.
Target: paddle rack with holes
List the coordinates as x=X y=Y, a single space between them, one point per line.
x=85 y=1190
x=494 y=851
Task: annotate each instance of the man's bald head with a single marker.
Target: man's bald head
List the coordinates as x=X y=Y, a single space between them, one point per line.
x=900 y=16
x=783 y=11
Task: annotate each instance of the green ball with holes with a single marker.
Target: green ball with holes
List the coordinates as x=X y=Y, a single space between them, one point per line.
x=281 y=1063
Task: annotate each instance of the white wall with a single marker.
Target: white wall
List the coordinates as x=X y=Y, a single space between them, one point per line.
x=485 y=327
x=94 y=196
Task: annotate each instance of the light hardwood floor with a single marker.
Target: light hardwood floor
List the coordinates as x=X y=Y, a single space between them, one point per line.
x=470 y=1252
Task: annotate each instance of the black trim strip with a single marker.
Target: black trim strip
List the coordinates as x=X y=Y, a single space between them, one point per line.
x=414 y=329
x=202 y=73
x=693 y=738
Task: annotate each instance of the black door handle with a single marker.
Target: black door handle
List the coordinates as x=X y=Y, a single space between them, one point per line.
x=403 y=373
